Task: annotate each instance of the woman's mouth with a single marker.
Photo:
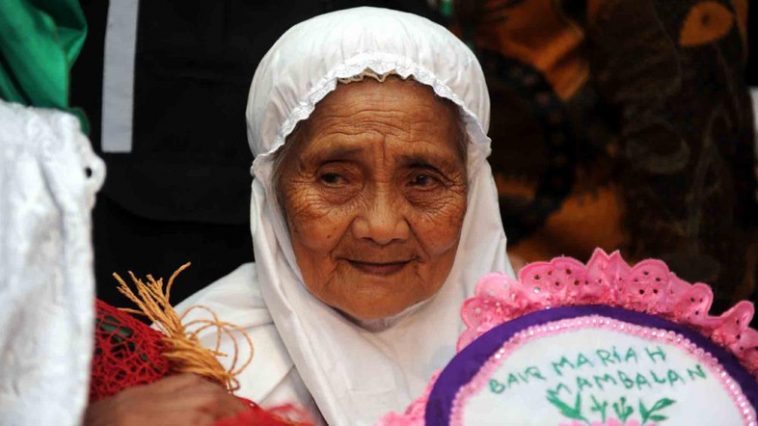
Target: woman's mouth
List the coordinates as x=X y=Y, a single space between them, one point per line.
x=379 y=268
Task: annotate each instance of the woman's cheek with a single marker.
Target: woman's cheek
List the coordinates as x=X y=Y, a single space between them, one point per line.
x=438 y=239
x=320 y=235
x=318 y=224
x=439 y=226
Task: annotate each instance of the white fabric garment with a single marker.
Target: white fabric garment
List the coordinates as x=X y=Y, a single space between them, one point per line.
x=46 y=271
x=271 y=378
x=356 y=375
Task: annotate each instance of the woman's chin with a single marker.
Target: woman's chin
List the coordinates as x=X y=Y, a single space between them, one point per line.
x=371 y=314
x=374 y=313
x=382 y=293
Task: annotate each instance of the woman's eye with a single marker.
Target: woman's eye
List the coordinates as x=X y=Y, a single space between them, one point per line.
x=423 y=180
x=331 y=178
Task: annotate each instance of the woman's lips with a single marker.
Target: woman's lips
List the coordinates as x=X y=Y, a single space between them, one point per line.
x=383 y=268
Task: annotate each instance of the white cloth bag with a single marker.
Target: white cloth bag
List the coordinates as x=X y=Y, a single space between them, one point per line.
x=48 y=179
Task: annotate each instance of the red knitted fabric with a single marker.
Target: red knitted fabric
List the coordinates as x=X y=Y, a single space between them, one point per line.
x=127 y=353
x=283 y=415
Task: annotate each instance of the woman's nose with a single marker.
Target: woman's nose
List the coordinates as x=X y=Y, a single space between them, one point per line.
x=382 y=221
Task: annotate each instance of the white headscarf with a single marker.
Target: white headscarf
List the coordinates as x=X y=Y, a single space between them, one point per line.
x=356 y=375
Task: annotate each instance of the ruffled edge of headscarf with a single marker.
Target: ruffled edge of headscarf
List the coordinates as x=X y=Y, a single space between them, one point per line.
x=379 y=63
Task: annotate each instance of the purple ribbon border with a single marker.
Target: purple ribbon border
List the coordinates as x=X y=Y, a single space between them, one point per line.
x=466 y=364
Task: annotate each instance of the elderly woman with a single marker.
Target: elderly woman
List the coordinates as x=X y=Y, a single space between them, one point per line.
x=373 y=213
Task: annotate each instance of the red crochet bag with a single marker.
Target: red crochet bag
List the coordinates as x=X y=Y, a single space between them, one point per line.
x=129 y=353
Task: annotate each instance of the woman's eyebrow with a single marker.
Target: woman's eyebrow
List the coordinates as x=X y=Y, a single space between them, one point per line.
x=332 y=153
x=428 y=159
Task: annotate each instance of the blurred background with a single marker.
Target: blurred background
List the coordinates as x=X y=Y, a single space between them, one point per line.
x=620 y=124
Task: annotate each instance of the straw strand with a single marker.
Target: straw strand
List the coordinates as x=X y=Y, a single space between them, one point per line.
x=184 y=350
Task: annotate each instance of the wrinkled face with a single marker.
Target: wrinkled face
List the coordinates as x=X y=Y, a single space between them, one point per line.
x=374 y=190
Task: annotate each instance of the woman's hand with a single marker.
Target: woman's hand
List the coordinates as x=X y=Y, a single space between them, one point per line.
x=185 y=399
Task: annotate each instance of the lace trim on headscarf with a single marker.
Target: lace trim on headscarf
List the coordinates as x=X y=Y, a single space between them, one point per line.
x=368 y=72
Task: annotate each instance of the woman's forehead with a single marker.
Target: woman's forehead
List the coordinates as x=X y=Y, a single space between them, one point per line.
x=393 y=110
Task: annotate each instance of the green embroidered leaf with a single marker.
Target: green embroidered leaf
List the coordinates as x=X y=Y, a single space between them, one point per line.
x=644 y=412
x=616 y=409
x=622 y=410
x=651 y=414
x=628 y=412
x=598 y=407
x=662 y=403
x=574 y=412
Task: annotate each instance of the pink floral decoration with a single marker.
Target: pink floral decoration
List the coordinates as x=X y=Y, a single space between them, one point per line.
x=648 y=287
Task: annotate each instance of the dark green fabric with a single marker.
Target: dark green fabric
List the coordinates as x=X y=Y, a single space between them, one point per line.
x=39 y=42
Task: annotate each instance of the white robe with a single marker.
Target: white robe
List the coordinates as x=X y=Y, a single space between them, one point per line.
x=271 y=379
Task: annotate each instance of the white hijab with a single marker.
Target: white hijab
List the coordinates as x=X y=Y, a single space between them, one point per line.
x=354 y=374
